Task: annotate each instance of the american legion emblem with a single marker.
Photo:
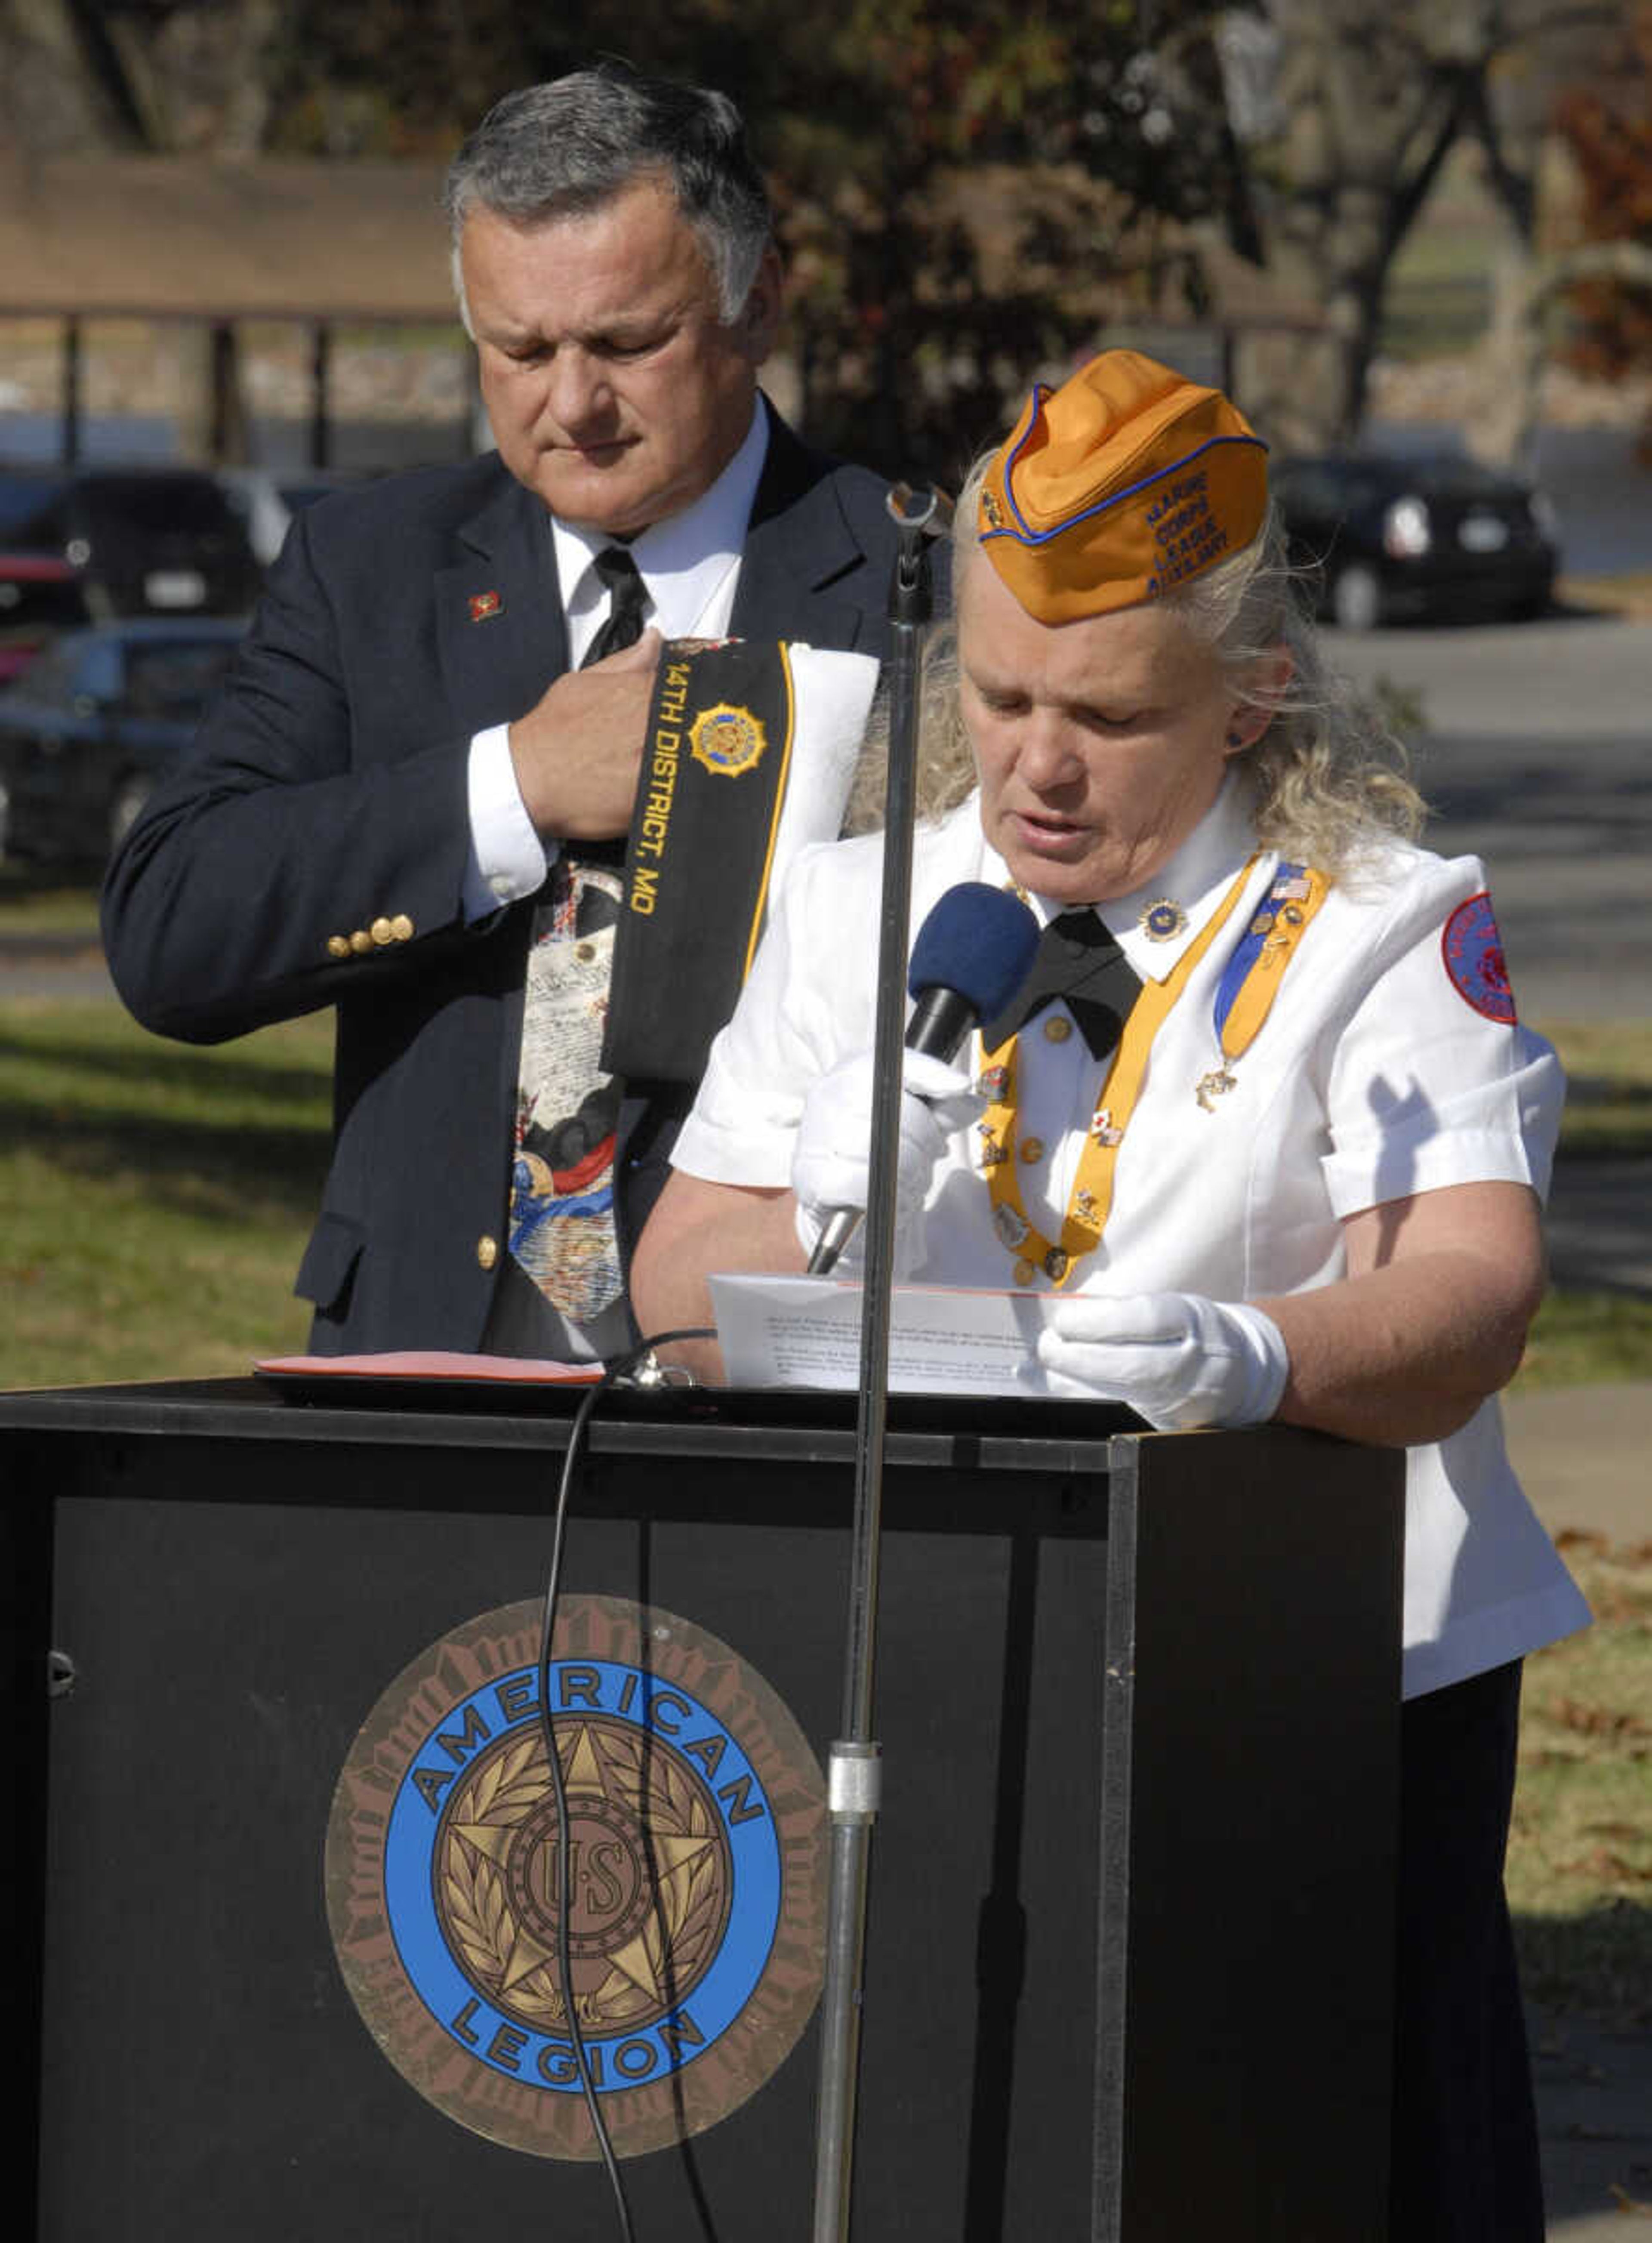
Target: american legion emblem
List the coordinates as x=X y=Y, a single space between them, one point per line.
x=697 y=1842
x=727 y=740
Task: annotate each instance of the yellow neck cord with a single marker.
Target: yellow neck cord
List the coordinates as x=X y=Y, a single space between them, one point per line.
x=1092 y=1197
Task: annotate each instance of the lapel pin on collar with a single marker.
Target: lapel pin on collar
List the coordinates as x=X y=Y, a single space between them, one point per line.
x=483 y=606
x=1163 y=921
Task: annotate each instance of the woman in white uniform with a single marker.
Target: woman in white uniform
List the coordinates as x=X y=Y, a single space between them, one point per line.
x=1265 y=1118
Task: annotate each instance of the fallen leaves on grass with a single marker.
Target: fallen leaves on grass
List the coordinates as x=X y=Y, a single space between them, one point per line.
x=1596 y=1721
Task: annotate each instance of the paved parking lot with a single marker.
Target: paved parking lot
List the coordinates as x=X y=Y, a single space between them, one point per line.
x=1536 y=754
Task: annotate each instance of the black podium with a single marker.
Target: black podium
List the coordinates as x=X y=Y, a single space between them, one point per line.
x=1129 y=1965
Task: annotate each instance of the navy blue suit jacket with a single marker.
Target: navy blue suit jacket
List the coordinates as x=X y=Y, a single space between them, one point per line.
x=325 y=799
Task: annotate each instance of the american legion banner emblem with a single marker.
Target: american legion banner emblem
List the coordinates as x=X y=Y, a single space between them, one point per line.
x=696 y=1871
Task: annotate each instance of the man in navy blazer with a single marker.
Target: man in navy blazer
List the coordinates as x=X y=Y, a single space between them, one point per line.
x=409 y=739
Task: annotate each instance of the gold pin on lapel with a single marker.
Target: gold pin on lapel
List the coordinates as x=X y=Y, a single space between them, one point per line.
x=1164 y=920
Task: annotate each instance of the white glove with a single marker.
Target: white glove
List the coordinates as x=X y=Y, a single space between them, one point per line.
x=831 y=1162
x=1177 y=1360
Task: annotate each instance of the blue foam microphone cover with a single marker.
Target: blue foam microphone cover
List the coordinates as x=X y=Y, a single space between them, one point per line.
x=973 y=953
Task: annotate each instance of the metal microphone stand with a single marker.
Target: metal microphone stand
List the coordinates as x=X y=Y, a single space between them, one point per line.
x=853 y=1765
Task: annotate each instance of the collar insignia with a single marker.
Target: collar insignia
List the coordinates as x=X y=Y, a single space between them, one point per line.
x=1163 y=921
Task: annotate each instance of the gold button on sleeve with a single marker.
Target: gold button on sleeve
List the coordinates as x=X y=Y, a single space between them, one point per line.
x=338 y=945
x=401 y=928
x=380 y=932
x=361 y=942
x=487 y=1251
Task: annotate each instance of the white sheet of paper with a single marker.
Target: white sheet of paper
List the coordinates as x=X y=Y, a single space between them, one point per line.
x=806 y=1331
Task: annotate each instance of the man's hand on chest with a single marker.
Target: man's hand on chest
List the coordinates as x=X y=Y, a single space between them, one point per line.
x=577 y=752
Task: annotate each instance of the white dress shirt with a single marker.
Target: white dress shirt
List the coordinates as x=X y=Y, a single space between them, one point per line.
x=689 y=564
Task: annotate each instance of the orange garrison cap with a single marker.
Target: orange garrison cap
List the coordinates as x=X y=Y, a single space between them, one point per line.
x=1117 y=487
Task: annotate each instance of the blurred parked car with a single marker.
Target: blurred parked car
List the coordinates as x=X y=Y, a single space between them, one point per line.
x=1395 y=537
x=94 y=725
x=144 y=541
x=267 y=498
x=40 y=594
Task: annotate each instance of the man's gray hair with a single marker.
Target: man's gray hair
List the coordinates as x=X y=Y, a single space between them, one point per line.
x=567 y=147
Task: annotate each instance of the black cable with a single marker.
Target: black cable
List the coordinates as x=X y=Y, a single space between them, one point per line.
x=613 y=1373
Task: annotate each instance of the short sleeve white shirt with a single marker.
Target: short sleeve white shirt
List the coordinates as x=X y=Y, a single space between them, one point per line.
x=1374 y=1077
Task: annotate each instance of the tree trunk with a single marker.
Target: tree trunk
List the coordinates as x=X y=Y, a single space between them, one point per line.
x=1520 y=341
x=1366 y=119
x=50 y=102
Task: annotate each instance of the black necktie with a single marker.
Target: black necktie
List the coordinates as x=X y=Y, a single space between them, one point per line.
x=622 y=626
x=1078 y=962
x=627 y=599
x=572 y=1255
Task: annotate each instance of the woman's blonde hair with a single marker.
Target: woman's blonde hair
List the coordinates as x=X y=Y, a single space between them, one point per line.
x=1328 y=778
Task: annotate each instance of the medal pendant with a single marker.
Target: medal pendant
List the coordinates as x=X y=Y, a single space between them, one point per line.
x=1011 y=1226
x=1101 y=1126
x=1213 y=1086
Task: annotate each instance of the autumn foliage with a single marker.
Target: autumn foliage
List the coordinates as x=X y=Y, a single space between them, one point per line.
x=1608 y=127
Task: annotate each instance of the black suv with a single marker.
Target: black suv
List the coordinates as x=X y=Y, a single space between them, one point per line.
x=1391 y=537
x=142 y=541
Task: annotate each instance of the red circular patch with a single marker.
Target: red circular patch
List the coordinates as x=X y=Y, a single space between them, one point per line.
x=1473 y=950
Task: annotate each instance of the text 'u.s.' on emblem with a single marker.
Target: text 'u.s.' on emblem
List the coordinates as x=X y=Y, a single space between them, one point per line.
x=695 y=1871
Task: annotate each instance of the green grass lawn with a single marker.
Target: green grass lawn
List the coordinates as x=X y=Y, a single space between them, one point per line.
x=1608 y=1087
x=34 y=902
x=1580 y=1854
x=154 y=1198
x=1580 y=1338
x=1439 y=294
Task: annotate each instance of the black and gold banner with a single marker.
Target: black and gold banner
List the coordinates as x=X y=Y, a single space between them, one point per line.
x=702 y=845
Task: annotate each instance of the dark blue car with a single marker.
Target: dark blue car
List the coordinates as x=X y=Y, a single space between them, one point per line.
x=95 y=722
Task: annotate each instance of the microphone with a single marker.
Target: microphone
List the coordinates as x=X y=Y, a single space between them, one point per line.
x=973 y=953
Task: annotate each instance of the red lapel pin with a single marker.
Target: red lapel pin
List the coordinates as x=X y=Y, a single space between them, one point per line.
x=484 y=604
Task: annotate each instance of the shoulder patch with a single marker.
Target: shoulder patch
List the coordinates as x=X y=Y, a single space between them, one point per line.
x=1472 y=950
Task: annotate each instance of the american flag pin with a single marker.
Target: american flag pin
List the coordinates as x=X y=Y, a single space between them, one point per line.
x=484 y=605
